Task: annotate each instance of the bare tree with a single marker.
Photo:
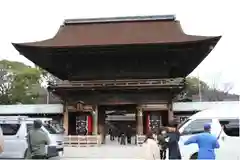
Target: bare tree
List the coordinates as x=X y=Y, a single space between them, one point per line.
x=227 y=87
x=219 y=90
x=214 y=96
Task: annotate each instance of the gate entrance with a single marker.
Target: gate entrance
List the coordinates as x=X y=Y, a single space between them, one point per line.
x=118 y=124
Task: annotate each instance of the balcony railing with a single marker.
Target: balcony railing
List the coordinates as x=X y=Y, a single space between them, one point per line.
x=128 y=83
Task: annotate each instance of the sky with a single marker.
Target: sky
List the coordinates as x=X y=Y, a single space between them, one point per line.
x=35 y=20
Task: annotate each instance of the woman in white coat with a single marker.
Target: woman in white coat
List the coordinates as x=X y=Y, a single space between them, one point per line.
x=1 y=141
x=150 y=146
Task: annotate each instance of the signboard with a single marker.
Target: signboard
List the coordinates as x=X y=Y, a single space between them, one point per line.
x=84 y=108
x=81 y=108
x=155 y=107
x=155 y=122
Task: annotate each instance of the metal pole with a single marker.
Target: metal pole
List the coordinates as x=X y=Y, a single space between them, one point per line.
x=199 y=88
x=47 y=97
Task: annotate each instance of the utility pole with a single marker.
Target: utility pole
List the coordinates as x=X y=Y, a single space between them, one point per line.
x=199 y=88
x=47 y=97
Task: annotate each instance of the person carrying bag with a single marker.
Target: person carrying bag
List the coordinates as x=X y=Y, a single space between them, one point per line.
x=37 y=141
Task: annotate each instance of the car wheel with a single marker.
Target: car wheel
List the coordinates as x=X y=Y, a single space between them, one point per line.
x=194 y=156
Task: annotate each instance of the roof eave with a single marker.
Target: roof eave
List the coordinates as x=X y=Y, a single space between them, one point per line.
x=38 y=45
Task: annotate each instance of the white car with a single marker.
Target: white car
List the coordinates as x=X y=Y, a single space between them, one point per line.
x=224 y=125
x=15 y=130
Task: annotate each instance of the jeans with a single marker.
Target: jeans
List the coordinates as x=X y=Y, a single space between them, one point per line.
x=162 y=154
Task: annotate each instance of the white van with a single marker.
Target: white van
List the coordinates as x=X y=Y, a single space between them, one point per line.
x=228 y=135
x=15 y=130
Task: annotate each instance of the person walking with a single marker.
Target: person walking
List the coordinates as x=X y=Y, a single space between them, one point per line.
x=207 y=143
x=172 y=140
x=123 y=139
x=150 y=146
x=162 y=143
x=129 y=134
x=110 y=132
x=37 y=140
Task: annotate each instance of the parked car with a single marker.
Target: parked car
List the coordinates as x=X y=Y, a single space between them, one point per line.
x=15 y=130
x=224 y=125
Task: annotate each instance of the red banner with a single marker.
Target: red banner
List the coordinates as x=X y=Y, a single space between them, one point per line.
x=148 y=122
x=89 y=122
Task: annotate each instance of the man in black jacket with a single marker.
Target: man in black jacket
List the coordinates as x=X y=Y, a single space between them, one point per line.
x=162 y=143
x=172 y=139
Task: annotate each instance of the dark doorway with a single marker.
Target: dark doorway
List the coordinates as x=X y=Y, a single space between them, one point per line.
x=77 y=123
x=119 y=124
x=155 y=120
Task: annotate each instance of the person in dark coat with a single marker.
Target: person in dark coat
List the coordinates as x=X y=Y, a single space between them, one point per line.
x=162 y=143
x=128 y=134
x=111 y=134
x=172 y=139
x=123 y=139
x=119 y=135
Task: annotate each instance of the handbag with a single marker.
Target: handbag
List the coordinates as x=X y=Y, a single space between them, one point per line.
x=52 y=151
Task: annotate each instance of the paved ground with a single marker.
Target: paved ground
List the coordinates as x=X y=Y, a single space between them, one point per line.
x=107 y=151
x=111 y=150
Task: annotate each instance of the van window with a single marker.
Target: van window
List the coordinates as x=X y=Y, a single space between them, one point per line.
x=50 y=129
x=182 y=123
x=10 y=129
x=196 y=126
x=230 y=127
x=29 y=127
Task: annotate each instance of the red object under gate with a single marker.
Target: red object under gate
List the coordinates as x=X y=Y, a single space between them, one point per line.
x=148 y=122
x=89 y=122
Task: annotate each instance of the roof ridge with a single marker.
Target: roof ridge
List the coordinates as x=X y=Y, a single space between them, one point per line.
x=120 y=19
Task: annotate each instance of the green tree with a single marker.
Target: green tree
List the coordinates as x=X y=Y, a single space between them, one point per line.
x=193 y=84
x=48 y=77
x=18 y=83
x=192 y=88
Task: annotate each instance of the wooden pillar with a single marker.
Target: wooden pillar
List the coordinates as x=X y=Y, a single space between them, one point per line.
x=65 y=119
x=148 y=122
x=170 y=112
x=101 y=123
x=139 y=120
x=95 y=120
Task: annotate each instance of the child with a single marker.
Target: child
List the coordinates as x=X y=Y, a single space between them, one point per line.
x=162 y=143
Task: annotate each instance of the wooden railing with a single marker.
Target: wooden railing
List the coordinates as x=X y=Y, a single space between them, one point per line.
x=78 y=141
x=173 y=82
x=140 y=139
x=93 y=140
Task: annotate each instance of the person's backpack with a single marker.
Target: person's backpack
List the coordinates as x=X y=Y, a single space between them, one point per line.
x=162 y=141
